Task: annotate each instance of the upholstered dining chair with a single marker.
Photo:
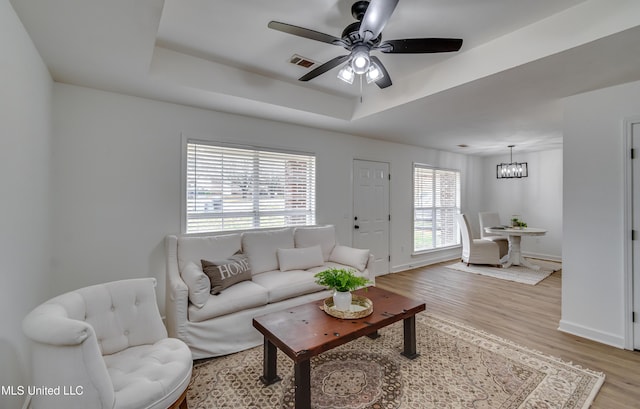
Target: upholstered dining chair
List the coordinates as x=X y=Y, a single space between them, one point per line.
x=106 y=345
x=476 y=251
x=492 y=219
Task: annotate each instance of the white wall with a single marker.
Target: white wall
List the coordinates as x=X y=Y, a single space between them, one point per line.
x=116 y=180
x=536 y=198
x=593 y=281
x=25 y=129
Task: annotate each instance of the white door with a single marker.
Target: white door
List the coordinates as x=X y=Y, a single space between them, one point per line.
x=635 y=164
x=371 y=217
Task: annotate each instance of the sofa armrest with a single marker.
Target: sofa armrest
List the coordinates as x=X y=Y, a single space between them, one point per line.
x=370 y=268
x=177 y=293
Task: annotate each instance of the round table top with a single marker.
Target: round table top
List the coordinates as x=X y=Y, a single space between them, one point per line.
x=516 y=231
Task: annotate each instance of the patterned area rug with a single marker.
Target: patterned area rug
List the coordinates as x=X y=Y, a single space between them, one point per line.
x=459 y=367
x=518 y=274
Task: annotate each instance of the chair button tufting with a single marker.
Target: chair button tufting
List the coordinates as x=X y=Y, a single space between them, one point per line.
x=113 y=308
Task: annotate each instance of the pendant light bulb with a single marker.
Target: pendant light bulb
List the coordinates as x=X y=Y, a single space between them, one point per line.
x=360 y=62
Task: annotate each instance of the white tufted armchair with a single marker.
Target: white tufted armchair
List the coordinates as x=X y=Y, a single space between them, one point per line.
x=105 y=346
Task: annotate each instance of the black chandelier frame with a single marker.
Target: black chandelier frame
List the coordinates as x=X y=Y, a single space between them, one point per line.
x=512 y=170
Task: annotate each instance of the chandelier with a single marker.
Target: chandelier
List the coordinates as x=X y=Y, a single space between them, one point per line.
x=512 y=169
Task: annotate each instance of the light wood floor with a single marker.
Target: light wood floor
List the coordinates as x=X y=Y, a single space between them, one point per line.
x=526 y=314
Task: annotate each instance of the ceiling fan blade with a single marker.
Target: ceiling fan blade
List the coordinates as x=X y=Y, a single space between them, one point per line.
x=324 y=68
x=305 y=32
x=376 y=17
x=385 y=81
x=420 y=45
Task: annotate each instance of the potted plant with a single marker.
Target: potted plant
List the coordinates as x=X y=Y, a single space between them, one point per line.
x=517 y=223
x=342 y=282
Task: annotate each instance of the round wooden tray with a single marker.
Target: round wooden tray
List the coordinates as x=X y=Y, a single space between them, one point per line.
x=360 y=307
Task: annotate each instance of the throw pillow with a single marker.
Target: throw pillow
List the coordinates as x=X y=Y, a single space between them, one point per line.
x=300 y=259
x=198 y=284
x=356 y=258
x=225 y=273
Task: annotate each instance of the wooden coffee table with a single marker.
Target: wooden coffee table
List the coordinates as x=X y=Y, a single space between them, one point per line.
x=305 y=331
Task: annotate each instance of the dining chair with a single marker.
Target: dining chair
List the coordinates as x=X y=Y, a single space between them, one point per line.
x=492 y=219
x=476 y=251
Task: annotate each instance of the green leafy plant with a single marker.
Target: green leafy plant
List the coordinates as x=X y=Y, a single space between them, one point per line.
x=340 y=279
x=515 y=222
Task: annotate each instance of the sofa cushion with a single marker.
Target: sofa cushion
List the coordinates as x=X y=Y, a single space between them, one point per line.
x=241 y=296
x=300 y=258
x=198 y=284
x=350 y=256
x=261 y=247
x=195 y=249
x=225 y=273
x=331 y=264
x=282 y=285
x=325 y=236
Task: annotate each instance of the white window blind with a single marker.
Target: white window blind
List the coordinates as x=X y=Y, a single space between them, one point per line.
x=436 y=201
x=230 y=188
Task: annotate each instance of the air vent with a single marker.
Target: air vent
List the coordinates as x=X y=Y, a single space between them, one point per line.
x=301 y=61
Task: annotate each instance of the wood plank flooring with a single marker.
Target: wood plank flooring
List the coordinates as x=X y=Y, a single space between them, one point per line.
x=528 y=315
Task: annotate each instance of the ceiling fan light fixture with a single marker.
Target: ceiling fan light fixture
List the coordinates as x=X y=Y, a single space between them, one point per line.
x=374 y=73
x=360 y=61
x=362 y=37
x=347 y=74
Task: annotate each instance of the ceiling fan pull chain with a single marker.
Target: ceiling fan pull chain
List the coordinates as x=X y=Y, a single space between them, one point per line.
x=360 y=88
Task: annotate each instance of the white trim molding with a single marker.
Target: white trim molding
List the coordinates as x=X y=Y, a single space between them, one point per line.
x=451 y=254
x=627 y=215
x=592 y=334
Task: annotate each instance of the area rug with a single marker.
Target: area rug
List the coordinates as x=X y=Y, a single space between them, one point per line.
x=518 y=274
x=458 y=367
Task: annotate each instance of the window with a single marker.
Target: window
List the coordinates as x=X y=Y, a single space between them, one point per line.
x=233 y=188
x=436 y=201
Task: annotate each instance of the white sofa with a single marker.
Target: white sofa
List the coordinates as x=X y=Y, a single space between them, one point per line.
x=283 y=263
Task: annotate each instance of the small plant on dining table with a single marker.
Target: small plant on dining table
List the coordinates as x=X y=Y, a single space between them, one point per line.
x=340 y=279
x=515 y=222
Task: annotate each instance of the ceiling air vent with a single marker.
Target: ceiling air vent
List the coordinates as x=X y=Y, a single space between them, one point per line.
x=301 y=61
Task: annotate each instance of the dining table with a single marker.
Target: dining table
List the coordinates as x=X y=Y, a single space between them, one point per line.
x=514 y=235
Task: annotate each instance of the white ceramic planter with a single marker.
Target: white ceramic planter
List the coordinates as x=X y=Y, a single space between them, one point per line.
x=342 y=300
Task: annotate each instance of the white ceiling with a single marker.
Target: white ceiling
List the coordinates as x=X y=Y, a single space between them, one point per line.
x=505 y=86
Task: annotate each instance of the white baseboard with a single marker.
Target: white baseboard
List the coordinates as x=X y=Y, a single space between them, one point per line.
x=592 y=334
x=426 y=262
x=439 y=257
x=541 y=256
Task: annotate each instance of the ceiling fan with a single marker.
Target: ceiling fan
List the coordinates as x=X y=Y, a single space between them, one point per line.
x=364 y=36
